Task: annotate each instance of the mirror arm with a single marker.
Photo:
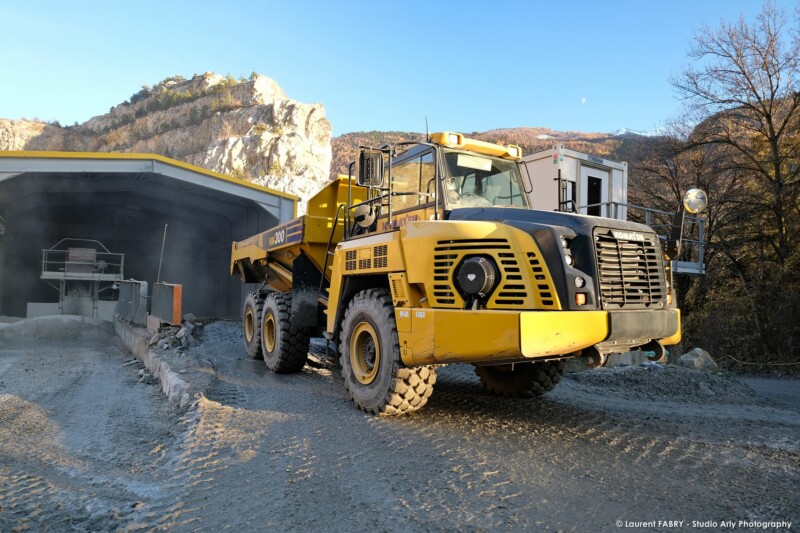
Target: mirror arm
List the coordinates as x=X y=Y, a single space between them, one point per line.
x=673 y=246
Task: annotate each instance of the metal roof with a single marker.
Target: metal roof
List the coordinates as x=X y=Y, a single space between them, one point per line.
x=14 y=163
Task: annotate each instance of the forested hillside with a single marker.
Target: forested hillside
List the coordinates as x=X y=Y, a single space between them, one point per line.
x=624 y=147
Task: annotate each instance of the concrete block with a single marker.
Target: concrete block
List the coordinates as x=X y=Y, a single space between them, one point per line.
x=153 y=324
x=627 y=358
x=105 y=310
x=137 y=340
x=37 y=309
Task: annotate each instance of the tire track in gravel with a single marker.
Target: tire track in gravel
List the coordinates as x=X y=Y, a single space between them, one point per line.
x=80 y=441
x=648 y=456
x=228 y=448
x=29 y=501
x=291 y=452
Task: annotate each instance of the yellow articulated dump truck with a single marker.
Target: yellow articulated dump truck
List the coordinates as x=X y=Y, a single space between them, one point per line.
x=428 y=254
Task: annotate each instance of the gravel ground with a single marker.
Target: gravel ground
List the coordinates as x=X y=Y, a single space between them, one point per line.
x=656 y=382
x=289 y=452
x=83 y=443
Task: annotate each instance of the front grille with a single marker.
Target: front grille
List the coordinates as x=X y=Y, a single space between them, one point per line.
x=542 y=287
x=630 y=269
x=510 y=292
x=447 y=254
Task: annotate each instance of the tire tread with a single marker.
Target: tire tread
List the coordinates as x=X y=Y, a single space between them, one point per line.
x=293 y=342
x=410 y=388
x=526 y=380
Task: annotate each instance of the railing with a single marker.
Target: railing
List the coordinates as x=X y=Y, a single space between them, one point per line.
x=132 y=304
x=82 y=259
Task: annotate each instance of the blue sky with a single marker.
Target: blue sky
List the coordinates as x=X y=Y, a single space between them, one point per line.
x=466 y=65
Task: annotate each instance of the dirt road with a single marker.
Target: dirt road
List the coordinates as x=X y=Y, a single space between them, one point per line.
x=259 y=451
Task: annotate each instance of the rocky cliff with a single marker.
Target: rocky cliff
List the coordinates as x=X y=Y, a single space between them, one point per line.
x=248 y=129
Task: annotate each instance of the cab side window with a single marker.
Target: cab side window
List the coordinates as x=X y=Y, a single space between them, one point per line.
x=411 y=177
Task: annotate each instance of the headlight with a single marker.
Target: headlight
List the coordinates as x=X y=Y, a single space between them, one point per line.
x=454 y=138
x=476 y=276
x=567 y=253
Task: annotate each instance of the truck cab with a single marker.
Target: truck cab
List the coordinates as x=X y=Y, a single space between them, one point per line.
x=580 y=263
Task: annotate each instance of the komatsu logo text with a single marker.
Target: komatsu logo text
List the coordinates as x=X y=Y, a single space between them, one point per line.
x=628 y=235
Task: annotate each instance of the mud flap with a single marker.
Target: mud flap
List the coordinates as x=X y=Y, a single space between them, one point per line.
x=305 y=292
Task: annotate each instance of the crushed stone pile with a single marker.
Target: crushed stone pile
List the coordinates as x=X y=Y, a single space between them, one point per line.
x=222 y=332
x=177 y=337
x=659 y=382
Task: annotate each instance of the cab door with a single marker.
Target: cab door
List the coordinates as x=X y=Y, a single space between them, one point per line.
x=413 y=190
x=594 y=191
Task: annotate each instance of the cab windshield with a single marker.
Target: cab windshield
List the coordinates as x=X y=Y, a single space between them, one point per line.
x=477 y=180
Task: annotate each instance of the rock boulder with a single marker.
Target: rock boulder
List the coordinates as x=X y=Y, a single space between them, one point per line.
x=698 y=359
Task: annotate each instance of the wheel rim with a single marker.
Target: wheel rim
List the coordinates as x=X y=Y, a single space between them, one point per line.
x=269 y=332
x=249 y=325
x=365 y=353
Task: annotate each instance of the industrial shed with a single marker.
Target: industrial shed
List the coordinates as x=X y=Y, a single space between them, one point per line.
x=124 y=201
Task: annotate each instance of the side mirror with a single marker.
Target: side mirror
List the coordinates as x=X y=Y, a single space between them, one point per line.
x=695 y=201
x=370 y=168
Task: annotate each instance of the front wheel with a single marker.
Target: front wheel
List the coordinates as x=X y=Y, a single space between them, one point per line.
x=374 y=376
x=521 y=380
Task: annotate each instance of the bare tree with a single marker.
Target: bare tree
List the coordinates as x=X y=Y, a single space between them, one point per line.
x=746 y=82
x=742 y=93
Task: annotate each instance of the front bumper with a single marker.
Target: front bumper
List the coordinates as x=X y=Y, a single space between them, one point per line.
x=433 y=336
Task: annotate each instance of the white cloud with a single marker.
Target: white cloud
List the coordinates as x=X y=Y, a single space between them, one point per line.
x=583 y=100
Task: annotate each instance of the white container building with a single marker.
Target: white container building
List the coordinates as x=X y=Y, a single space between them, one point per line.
x=567 y=180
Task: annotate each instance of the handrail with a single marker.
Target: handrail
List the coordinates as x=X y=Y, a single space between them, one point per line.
x=107 y=264
x=341 y=208
x=55 y=246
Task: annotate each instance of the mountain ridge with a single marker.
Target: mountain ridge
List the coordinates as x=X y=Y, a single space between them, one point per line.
x=625 y=147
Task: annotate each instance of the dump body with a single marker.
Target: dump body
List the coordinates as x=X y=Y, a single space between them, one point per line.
x=270 y=255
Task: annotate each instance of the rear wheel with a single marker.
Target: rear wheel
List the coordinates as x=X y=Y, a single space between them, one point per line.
x=375 y=377
x=251 y=324
x=521 y=380
x=284 y=346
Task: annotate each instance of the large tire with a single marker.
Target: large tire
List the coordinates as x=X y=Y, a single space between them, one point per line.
x=284 y=346
x=374 y=376
x=522 y=380
x=251 y=324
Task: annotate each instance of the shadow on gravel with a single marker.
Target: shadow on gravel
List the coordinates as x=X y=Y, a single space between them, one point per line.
x=465 y=401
